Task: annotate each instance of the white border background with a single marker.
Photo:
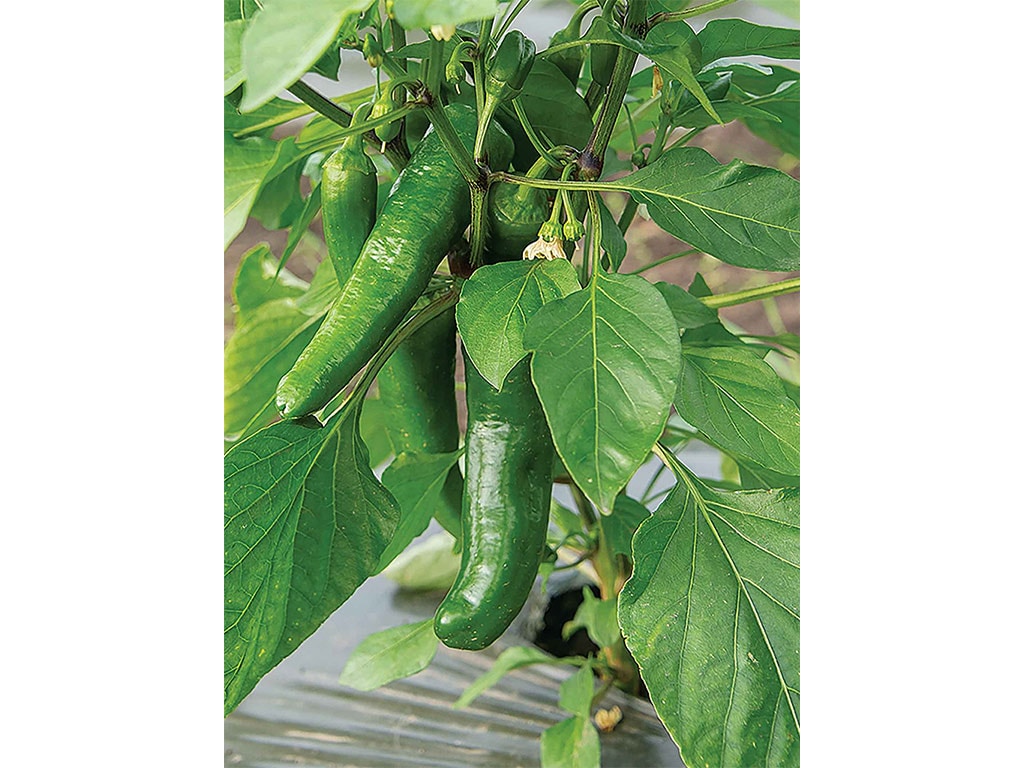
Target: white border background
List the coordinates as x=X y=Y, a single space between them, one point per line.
x=112 y=317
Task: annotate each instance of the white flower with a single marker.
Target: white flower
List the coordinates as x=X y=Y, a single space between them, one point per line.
x=442 y=31
x=543 y=249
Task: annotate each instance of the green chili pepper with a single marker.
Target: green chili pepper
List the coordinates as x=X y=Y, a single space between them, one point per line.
x=425 y=214
x=504 y=509
x=514 y=217
x=349 y=200
x=417 y=386
x=510 y=67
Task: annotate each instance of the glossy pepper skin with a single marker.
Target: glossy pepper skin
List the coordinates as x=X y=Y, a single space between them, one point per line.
x=504 y=509
x=349 y=204
x=513 y=222
x=417 y=385
x=511 y=65
x=426 y=212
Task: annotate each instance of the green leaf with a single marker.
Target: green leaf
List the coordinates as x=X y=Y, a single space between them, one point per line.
x=612 y=241
x=599 y=618
x=240 y=9
x=426 y=566
x=416 y=481
x=495 y=305
x=683 y=61
x=745 y=215
x=784 y=105
x=572 y=743
x=259 y=280
x=422 y=14
x=737 y=400
x=256 y=356
x=285 y=40
x=305 y=522
x=246 y=163
x=555 y=110
x=280 y=200
x=390 y=655
x=372 y=429
x=577 y=691
x=605 y=365
x=622 y=523
x=511 y=658
x=756 y=79
x=723 y=38
x=233 y=76
x=265 y=346
x=263 y=120
x=711 y=614
x=789 y=8
x=687 y=309
x=727 y=110
x=310 y=208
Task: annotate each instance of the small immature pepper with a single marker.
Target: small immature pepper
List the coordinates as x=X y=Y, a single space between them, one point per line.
x=510 y=67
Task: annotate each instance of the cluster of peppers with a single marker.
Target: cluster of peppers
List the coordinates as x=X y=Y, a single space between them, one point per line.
x=384 y=263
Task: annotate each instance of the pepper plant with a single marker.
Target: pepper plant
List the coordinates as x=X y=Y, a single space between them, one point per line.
x=475 y=197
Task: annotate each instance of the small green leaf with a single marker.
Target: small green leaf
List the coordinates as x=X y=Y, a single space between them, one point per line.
x=784 y=105
x=233 y=76
x=423 y=14
x=416 y=481
x=605 y=365
x=723 y=38
x=687 y=309
x=258 y=280
x=682 y=61
x=577 y=691
x=495 y=305
x=612 y=241
x=511 y=658
x=390 y=655
x=305 y=522
x=311 y=207
x=598 y=617
x=285 y=40
x=622 y=523
x=745 y=215
x=737 y=400
x=572 y=743
x=711 y=614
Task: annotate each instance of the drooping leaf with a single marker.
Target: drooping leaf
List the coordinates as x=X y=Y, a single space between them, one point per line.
x=258 y=280
x=723 y=38
x=280 y=199
x=511 y=658
x=310 y=208
x=495 y=305
x=612 y=241
x=745 y=215
x=737 y=400
x=784 y=132
x=688 y=310
x=246 y=164
x=598 y=617
x=572 y=743
x=682 y=61
x=422 y=14
x=390 y=655
x=233 y=54
x=605 y=366
x=622 y=523
x=285 y=40
x=305 y=522
x=264 y=347
x=416 y=481
x=711 y=614
x=577 y=691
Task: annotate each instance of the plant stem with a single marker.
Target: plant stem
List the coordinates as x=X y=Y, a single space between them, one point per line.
x=535 y=140
x=752 y=294
x=450 y=138
x=397 y=156
x=435 y=65
x=511 y=17
x=663 y=260
x=658 y=18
